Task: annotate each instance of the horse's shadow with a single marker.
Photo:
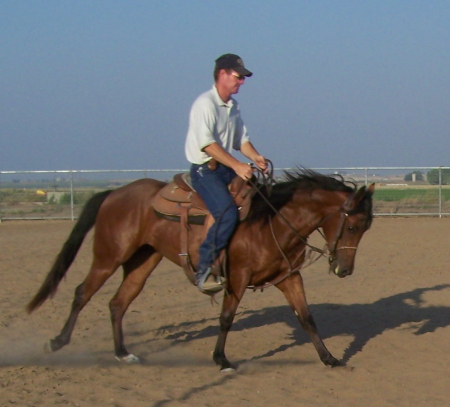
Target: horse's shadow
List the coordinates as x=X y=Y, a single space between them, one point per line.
x=363 y=322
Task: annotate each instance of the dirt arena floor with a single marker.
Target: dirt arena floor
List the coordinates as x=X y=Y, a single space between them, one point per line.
x=389 y=322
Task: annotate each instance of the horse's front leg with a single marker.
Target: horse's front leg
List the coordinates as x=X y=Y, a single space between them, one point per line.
x=294 y=292
x=229 y=307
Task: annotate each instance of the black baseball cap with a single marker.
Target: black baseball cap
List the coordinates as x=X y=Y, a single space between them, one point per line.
x=232 y=61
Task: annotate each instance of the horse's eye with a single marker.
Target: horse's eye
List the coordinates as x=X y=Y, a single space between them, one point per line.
x=351 y=229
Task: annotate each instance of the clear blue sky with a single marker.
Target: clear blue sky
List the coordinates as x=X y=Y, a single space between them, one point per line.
x=105 y=84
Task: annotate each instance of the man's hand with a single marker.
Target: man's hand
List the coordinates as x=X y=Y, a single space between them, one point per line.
x=250 y=152
x=261 y=163
x=243 y=170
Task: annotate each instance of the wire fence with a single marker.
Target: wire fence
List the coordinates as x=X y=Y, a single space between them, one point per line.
x=39 y=195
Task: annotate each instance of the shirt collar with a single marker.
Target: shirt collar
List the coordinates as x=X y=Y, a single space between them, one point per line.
x=219 y=100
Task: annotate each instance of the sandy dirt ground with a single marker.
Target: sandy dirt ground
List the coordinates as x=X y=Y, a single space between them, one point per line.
x=389 y=322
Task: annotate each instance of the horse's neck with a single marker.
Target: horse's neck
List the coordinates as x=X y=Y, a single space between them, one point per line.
x=306 y=212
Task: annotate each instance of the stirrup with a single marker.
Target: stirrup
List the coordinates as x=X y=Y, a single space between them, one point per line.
x=207 y=283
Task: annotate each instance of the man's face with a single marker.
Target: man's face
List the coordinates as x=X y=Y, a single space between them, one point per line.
x=232 y=81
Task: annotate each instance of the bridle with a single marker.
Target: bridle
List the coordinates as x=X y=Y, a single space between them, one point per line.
x=332 y=252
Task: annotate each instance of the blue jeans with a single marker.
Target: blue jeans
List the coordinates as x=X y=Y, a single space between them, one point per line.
x=212 y=186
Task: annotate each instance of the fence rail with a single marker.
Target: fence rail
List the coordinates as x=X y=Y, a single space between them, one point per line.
x=60 y=194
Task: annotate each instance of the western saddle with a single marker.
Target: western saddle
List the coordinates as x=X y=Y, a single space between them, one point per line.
x=179 y=202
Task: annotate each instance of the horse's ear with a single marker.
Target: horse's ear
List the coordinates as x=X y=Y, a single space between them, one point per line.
x=355 y=199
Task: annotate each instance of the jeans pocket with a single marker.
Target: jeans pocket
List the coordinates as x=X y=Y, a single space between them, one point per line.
x=198 y=171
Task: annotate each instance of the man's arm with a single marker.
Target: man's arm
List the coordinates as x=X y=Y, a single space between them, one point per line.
x=250 y=152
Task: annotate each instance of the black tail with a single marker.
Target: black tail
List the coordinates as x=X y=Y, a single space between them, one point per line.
x=70 y=249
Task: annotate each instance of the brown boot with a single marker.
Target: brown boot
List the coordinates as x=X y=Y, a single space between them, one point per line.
x=207 y=283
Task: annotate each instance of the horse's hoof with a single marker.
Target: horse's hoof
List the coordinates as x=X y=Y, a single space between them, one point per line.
x=129 y=359
x=332 y=362
x=228 y=370
x=48 y=347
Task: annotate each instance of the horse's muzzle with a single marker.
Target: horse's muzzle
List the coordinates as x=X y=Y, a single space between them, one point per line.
x=338 y=270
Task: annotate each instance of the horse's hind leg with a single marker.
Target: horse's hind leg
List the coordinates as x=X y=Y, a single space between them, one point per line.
x=97 y=276
x=294 y=292
x=136 y=272
x=230 y=304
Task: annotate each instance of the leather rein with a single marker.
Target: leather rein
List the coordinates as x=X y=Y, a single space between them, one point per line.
x=268 y=181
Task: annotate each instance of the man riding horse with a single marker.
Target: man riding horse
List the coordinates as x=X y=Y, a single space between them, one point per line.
x=215 y=129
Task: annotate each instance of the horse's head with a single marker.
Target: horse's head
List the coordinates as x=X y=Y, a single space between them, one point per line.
x=344 y=229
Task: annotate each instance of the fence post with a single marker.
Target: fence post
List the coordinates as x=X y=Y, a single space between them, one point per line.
x=71 y=195
x=440 y=192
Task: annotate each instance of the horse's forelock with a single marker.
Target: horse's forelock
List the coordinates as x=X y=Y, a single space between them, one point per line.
x=365 y=207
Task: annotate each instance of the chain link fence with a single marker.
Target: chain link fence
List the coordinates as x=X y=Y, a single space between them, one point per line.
x=400 y=191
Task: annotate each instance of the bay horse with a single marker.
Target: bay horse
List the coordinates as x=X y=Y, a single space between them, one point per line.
x=268 y=248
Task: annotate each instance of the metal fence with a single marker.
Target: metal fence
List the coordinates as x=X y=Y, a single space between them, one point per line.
x=400 y=191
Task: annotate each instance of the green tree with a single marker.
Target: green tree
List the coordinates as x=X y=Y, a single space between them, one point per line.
x=433 y=176
x=409 y=176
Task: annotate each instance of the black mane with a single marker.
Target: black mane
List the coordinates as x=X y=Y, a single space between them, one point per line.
x=282 y=192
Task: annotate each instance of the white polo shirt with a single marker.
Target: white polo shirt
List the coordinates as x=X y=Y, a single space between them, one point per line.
x=211 y=120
